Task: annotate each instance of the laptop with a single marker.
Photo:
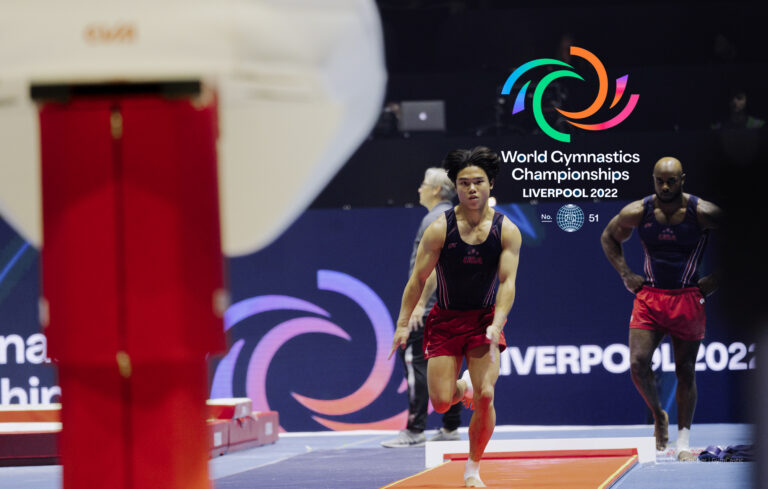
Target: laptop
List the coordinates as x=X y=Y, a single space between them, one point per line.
x=422 y=115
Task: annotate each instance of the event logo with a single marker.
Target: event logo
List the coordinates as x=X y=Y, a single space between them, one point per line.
x=317 y=322
x=602 y=93
x=570 y=218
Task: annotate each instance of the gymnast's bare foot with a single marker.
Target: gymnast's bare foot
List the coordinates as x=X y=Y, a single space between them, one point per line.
x=473 y=482
x=468 y=393
x=472 y=474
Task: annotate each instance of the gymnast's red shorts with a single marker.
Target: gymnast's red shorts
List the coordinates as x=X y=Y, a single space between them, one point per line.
x=451 y=332
x=678 y=312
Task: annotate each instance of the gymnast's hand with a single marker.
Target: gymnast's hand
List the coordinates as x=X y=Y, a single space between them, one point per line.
x=493 y=334
x=633 y=282
x=401 y=338
x=417 y=318
x=707 y=285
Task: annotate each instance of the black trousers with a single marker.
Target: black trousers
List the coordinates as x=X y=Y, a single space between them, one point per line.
x=415 y=366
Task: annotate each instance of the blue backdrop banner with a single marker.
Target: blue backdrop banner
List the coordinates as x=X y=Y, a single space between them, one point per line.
x=312 y=318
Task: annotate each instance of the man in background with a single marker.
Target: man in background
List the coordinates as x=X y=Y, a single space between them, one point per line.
x=674 y=228
x=435 y=193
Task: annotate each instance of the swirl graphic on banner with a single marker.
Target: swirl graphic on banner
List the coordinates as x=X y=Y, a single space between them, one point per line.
x=602 y=93
x=277 y=336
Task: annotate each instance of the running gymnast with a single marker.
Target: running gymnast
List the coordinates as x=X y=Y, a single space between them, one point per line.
x=471 y=247
x=673 y=227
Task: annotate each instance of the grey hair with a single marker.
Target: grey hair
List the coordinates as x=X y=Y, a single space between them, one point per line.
x=439 y=178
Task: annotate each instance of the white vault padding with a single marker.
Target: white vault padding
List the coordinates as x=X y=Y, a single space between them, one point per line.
x=299 y=83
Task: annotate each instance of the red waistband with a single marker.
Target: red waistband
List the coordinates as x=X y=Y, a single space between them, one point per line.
x=685 y=290
x=440 y=310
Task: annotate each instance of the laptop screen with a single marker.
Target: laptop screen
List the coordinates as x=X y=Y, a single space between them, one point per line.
x=422 y=115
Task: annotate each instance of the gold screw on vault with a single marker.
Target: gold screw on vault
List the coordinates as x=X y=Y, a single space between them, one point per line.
x=123 y=364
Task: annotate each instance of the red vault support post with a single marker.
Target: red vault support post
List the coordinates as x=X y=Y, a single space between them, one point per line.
x=132 y=275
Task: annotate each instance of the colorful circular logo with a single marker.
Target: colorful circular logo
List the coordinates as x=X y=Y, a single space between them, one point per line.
x=602 y=94
x=315 y=321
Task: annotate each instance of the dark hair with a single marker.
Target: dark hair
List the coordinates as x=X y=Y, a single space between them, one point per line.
x=479 y=156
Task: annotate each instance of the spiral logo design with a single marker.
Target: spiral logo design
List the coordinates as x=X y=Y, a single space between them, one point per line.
x=602 y=93
x=277 y=336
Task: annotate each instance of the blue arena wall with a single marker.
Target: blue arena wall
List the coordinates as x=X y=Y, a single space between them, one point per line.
x=312 y=316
